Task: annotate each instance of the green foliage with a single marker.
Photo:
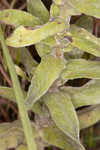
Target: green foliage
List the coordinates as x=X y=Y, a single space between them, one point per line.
x=26 y=36
x=62 y=48
x=46 y=73
x=16 y=18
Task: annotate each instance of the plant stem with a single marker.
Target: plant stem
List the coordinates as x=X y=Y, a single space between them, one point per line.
x=19 y=95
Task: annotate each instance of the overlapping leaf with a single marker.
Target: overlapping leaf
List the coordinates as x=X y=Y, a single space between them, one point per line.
x=89 y=116
x=46 y=73
x=12 y=136
x=37 y=8
x=80 y=68
x=7 y=93
x=89 y=94
x=93 y=116
x=88 y=7
x=64 y=115
x=84 y=40
x=24 y=36
x=27 y=60
x=85 y=22
x=53 y=136
x=18 y=17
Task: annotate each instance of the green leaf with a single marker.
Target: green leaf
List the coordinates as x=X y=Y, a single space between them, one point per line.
x=88 y=7
x=85 y=22
x=7 y=93
x=89 y=116
x=37 y=8
x=58 y=2
x=18 y=17
x=80 y=68
x=45 y=46
x=24 y=36
x=84 y=40
x=64 y=115
x=54 y=10
x=46 y=73
x=21 y=73
x=27 y=60
x=43 y=49
x=72 y=52
x=89 y=94
x=12 y=135
x=54 y=136
x=22 y=147
x=67 y=9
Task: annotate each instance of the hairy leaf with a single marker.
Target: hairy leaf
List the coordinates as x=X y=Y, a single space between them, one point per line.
x=12 y=135
x=24 y=36
x=54 y=10
x=63 y=113
x=9 y=94
x=80 y=68
x=84 y=40
x=18 y=17
x=89 y=94
x=54 y=136
x=67 y=9
x=37 y=8
x=46 y=73
x=43 y=49
x=45 y=46
x=72 y=52
x=89 y=116
x=88 y=7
